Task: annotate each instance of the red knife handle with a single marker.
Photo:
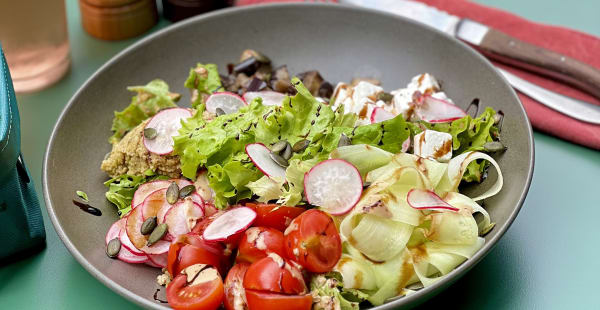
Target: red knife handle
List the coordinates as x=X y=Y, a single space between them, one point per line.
x=504 y=48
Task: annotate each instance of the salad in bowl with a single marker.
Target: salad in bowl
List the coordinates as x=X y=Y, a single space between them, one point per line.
x=276 y=191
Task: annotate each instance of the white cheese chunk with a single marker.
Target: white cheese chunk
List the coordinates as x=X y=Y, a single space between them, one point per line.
x=360 y=100
x=433 y=145
x=425 y=83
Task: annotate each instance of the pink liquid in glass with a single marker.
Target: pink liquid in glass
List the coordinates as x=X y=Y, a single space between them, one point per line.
x=34 y=37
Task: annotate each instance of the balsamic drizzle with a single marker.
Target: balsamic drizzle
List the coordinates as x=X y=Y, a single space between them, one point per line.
x=87 y=208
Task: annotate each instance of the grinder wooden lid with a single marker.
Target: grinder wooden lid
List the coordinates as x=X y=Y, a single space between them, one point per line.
x=117 y=19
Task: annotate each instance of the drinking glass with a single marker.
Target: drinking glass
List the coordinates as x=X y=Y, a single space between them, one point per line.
x=34 y=37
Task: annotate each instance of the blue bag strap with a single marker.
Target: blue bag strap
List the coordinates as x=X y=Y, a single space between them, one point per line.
x=10 y=140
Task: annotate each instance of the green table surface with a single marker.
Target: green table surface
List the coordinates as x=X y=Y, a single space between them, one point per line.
x=548 y=259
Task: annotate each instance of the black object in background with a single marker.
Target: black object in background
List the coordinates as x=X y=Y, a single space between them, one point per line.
x=176 y=10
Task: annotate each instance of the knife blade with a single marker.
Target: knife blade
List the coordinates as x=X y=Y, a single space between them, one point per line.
x=502 y=47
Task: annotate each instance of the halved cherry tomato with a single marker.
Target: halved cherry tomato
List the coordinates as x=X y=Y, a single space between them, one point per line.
x=206 y=295
x=272 y=301
x=190 y=249
x=274 y=274
x=313 y=241
x=273 y=215
x=235 y=297
x=257 y=242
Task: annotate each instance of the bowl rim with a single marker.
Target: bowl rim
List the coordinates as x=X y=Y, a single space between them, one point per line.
x=413 y=299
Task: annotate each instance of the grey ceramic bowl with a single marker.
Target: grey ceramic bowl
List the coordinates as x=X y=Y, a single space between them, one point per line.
x=341 y=42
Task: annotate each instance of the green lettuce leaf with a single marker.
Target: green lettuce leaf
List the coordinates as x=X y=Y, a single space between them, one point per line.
x=470 y=134
x=149 y=99
x=121 y=189
x=203 y=80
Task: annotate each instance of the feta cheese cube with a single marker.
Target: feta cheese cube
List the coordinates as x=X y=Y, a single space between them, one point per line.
x=425 y=83
x=360 y=99
x=365 y=92
x=433 y=145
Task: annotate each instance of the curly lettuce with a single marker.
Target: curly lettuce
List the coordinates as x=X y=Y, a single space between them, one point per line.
x=149 y=99
x=329 y=293
x=203 y=80
x=468 y=134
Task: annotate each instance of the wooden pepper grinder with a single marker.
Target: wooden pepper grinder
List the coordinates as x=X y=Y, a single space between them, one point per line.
x=117 y=19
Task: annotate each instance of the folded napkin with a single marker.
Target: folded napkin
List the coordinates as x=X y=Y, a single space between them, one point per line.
x=575 y=44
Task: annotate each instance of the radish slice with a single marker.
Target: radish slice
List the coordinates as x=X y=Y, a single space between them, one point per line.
x=434 y=110
x=133 y=229
x=159 y=261
x=229 y=223
x=151 y=264
x=210 y=209
x=427 y=200
x=259 y=154
x=203 y=187
x=227 y=101
x=181 y=182
x=268 y=97
x=154 y=203
x=114 y=230
x=146 y=189
x=335 y=185
x=125 y=242
x=129 y=257
x=166 y=123
x=183 y=217
x=380 y=115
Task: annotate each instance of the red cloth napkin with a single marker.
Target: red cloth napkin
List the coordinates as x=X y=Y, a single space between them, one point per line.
x=575 y=44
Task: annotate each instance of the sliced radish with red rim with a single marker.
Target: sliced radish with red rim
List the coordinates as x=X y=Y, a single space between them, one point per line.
x=182 y=217
x=210 y=209
x=154 y=203
x=380 y=115
x=114 y=230
x=226 y=101
x=427 y=200
x=335 y=185
x=167 y=124
x=146 y=189
x=434 y=110
x=260 y=156
x=405 y=145
x=269 y=97
x=229 y=223
x=125 y=242
x=159 y=260
x=133 y=228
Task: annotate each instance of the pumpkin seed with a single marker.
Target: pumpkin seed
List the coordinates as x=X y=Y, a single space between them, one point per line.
x=494 y=146
x=158 y=233
x=220 y=111
x=150 y=133
x=385 y=97
x=287 y=153
x=279 y=146
x=172 y=193
x=300 y=146
x=148 y=225
x=186 y=191
x=113 y=247
x=279 y=160
x=344 y=141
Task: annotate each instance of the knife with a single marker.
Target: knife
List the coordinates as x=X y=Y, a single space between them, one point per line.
x=504 y=48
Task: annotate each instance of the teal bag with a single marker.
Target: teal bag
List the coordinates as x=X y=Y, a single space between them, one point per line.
x=21 y=223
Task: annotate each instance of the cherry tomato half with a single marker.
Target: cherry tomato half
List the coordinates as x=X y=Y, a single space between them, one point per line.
x=206 y=294
x=257 y=242
x=273 y=215
x=274 y=274
x=235 y=297
x=191 y=249
x=272 y=301
x=313 y=241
